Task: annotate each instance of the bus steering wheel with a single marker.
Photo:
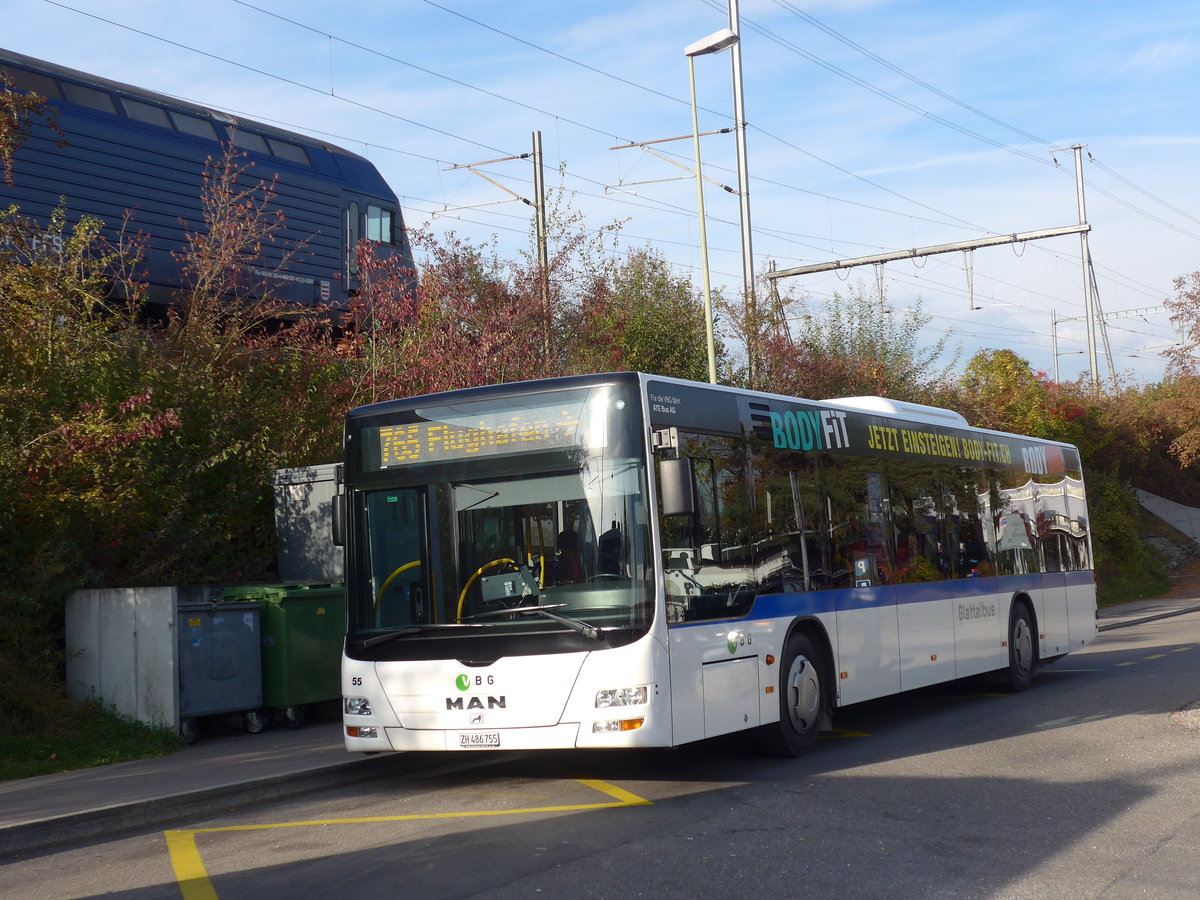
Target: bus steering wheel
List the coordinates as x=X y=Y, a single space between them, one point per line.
x=462 y=598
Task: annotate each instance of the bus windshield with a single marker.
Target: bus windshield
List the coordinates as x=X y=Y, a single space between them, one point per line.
x=521 y=516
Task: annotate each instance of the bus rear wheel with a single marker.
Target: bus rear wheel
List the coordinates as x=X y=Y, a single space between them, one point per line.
x=1022 y=649
x=801 y=701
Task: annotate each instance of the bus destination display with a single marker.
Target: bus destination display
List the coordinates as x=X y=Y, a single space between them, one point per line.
x=436 y=441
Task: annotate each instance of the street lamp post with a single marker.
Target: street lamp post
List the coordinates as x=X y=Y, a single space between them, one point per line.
x=714 y=43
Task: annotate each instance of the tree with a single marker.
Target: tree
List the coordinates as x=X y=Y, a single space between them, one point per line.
x=639 y=315
x=17 y=112
x=1002 y=391
x=1180 y=405
x=851 y=346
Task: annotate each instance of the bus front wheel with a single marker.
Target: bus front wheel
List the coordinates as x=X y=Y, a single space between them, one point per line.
x=801 y=700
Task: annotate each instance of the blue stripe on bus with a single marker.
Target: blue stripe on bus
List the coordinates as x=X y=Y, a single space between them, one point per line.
x=794 y=604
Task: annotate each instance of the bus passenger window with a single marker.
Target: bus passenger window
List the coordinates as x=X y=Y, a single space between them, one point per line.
x=790 y=549
x=859 y=521
x=966 y=516
x=1013 y=519
x=707 y=557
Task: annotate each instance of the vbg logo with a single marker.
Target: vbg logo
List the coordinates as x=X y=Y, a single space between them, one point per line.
x=465 y=682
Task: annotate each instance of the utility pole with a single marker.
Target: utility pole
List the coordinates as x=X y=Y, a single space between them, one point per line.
x=1088 y=299
x=539 y=207
x=539 y=193
x=739 y=117
x=1054 y=342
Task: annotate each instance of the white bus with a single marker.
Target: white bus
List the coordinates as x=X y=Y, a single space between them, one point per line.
x=626 y=560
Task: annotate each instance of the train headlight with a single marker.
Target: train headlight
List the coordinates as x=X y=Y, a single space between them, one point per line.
x=357 y=706
x=633 y=696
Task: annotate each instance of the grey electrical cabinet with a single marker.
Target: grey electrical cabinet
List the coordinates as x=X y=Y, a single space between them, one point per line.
x=304 y=524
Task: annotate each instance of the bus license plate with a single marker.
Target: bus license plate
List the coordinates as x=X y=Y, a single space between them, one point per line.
x=478 y=740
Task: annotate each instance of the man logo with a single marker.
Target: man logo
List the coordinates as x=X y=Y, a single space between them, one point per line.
x=500 y=702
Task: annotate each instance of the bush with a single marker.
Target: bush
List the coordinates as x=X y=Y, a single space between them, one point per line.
x=79 y=736
x=1127 y=567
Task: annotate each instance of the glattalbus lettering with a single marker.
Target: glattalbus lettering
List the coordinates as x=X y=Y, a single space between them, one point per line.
x=978 y=610
x=810 y=429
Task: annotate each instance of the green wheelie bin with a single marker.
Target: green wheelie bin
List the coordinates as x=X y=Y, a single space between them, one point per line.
x=303 y=627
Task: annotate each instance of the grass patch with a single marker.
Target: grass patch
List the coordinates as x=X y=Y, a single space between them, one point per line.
x=91 y=736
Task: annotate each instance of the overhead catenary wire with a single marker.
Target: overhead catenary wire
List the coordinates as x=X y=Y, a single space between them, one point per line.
x=649 y=203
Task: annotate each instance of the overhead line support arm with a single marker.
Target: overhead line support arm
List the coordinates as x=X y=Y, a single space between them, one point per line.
x=931 y=251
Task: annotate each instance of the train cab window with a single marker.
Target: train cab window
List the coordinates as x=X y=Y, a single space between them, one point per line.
x=249 y=140
x=89 y=96
x=379 y=224
x=289 y=151
x=193 y=125
x=146 y=112
x=33 y=82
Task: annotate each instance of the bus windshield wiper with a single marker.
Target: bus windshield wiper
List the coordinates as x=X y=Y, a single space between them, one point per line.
x=588 y=631
x=396 y=633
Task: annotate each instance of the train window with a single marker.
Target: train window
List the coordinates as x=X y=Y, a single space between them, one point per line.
x=89 y=96
x=248 y=140
x=34 y=82
x=193 y=125
x=379 y=224
x=146 y=112
x=289 y=151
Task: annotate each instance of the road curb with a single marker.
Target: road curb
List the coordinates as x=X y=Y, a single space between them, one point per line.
x=1126 y=623
x=49 y=833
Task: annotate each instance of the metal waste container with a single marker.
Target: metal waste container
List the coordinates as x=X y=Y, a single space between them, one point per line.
x=219 y=661
x=303 y=627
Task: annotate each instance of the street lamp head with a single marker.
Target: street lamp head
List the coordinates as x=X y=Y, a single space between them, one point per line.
x=714 y=43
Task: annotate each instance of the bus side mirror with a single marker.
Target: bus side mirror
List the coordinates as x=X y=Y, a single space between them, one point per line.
x=339 y=520
x=338 y=509
x=677 y=486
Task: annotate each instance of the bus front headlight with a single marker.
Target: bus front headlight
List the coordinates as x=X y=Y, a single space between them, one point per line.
x=357 y=706
x=632 y=696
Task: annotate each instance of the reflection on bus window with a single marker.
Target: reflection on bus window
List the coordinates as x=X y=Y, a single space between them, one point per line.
x=707 y=557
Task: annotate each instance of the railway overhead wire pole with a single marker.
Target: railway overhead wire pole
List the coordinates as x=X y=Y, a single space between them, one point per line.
x=919 y=252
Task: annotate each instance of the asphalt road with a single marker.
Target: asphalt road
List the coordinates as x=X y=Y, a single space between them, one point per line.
x=1084 y=787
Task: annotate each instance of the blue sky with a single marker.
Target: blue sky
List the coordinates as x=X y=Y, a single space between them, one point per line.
x=873 y=126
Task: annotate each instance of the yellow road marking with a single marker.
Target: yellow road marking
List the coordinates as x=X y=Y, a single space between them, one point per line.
x=193 y=877
x=843 y=733
x=189 y=867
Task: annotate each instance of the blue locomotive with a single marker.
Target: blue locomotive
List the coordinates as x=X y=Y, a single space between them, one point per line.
x=107 y=149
